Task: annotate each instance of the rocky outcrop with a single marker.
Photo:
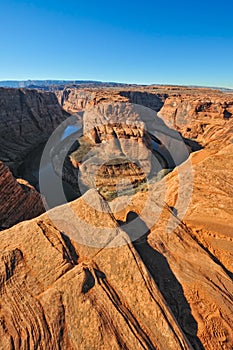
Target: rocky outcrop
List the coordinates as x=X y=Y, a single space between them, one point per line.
x=149 y=270
x=18 y=200
x=77 y=297
x=90 y=287
x=204 y=118
x=117 y=152
x=27 y=119
x=122 y=145
x=188 y=249
x=200 y=114
x=74 y=100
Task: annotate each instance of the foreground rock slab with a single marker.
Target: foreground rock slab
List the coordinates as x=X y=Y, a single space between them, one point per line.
x=58 y=294
x=189 y=252
x=159 y=292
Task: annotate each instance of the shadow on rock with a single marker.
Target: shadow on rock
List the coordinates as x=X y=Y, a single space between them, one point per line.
x=165 y=279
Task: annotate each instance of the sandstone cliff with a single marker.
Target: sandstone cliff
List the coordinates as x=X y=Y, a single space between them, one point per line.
x=27 y=119
x=72 y=278
x=206 y=118
x=195 y=245
x=75 y=100
x=75 y=297
x=117 y=152
x=18 y=200
x=89 y=287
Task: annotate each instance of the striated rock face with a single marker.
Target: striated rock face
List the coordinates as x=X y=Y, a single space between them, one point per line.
x=27 y=119
x=111 y=293
x=200 y=114
x=118 y=149
x=150 y=270
x=204 y=118
x=18 y=200
x=75 y=100
x=75 y=297
x=192 y=262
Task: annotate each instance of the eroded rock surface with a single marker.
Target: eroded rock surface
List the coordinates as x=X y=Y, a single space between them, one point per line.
x=72 y=278
x=200 y=114
x=188 y=248
x=18 y=199
x=206 y=118
x=74 y=100
x=117 y=152
x=163 y=291
x=27 y=119
x=78 y=297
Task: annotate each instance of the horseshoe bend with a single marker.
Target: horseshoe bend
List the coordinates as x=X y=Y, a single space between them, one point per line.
x=116 y=217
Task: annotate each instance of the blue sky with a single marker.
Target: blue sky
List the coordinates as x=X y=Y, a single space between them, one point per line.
x=170 y=42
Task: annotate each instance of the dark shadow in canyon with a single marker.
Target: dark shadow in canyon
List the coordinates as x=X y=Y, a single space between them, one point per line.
x=146 y=99
x=165 y=279
x=194 y=145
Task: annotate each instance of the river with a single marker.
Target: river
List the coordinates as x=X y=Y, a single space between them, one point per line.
x=32 y=171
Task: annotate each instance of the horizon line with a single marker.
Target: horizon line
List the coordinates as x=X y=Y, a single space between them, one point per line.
x=115 y=82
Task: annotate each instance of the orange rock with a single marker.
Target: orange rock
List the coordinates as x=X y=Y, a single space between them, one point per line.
x=18 y=199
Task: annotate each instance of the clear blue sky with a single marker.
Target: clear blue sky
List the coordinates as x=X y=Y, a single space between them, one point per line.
x=177 y=42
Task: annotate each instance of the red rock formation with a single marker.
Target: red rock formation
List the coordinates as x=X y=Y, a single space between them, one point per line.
x=71 y=278
x=18 y=200
x=75 y=100
x=27 y=119
x=166 y=291
x=79 y=297
x=205 y=118
x=198 y=250
x=119 y=155
x=78 y=99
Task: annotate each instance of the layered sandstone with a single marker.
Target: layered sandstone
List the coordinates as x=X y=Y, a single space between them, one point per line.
x=72 y=278
x=27 y=119
x=19 y=201
x=75 y=297
x=90 y=287
x=191 y=241
x=206 y=118
x=74 y=100
x=199 y=114
x=117 y=154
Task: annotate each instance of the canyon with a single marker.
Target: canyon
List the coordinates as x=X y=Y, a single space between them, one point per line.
x=142 y=259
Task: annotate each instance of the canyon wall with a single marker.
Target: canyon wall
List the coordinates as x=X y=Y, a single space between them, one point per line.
x=206 y=118
x=27 y=119
x=19 y=201
x=194 y=246
x=198 y=114
x=117 y=153
x=75 y=100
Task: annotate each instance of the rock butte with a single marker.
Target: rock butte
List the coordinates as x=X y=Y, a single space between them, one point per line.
x=171 y=289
